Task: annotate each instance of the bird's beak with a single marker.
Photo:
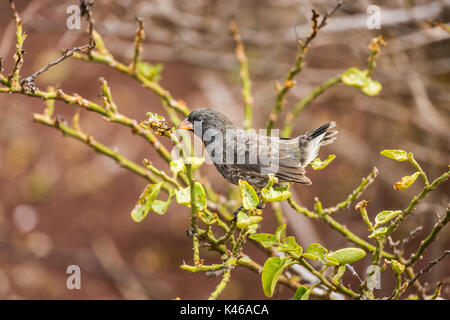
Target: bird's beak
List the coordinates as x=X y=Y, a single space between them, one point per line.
x=186 y=125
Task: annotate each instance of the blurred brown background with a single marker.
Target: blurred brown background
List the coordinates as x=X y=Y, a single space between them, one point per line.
x=62 y=204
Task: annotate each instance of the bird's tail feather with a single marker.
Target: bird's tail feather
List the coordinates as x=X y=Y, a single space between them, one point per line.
x=311 y=142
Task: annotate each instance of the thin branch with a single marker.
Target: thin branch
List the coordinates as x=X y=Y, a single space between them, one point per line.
x=294 y=113
x=221 y=286
x=429 y=239
x=28 y=82
x=415 y=201
x=374 y=48
x=244 y=75
x=13 y=78
x=60 y=125
x=365 y=183
x=427 y=268
x=194 y=210
x=338 y=227
x=104 y=57
x=316 y=25
x=410 y=236
x=86 y=8
x=340 y=288
x=140 y=35
x=94 y=107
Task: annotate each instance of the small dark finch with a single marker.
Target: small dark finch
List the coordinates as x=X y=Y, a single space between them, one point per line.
x=241 y=154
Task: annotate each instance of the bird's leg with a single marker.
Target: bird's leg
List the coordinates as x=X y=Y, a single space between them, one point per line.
x=236 y=213
x=261 y=204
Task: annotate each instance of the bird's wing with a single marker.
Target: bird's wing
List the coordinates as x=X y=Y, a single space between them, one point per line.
x=261 y=155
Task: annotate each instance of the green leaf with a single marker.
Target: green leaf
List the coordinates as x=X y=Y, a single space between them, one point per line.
x=291 y=247
x=279 y=232
x=406 y=181
x=302 y=293
x=359 y=78
x=317 y=164
x=177 y=166
x=151 y=71
x=372 y=88
x=271 y=194
x=207 y=217
x=347 y=255
x=183 y=196
x=385 y=216
x=144 y=204
x=245 y=259
x=200 y=196
x=397 y=267
x=354 y=77
x=160 y=207
x=332 y=261
x=244 y=221
x=272 y=269
x=339 y=274
x=249 y=197
x=378 y=232
x=316 y=252
x=399 y=155
x=275 y=195
x=267 y=240
x=252 y=228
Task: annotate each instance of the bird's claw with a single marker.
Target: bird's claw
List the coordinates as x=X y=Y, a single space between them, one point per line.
x=236 y=213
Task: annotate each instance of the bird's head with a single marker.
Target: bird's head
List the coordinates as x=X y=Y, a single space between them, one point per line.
x=201 y=120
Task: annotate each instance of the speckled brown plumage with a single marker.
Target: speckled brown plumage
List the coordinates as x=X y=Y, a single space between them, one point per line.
x=240 y=154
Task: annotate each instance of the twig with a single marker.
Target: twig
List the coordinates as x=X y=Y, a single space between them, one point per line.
x=365 y=183
x=86 y=7
x=429 y=239
x=161 y=174
x=244 y=74
x=221 y=286
x=13 y=78
x=410 y=236
x=419 y=168
x=279 y=217
x=338 y=227
x=97 y=146
x=94 y=107
x=427 y=189
x=316 y=25
x=107 y=59
x=327 y=283
x=294 y=113
x=140 y=35
x=361 y=206
x=214 y=267
x=353 y=271
x=28 y=82
x=427 y=268
x=437 y=291
x=229 y=233
x=194 y=209
x=374 y=48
